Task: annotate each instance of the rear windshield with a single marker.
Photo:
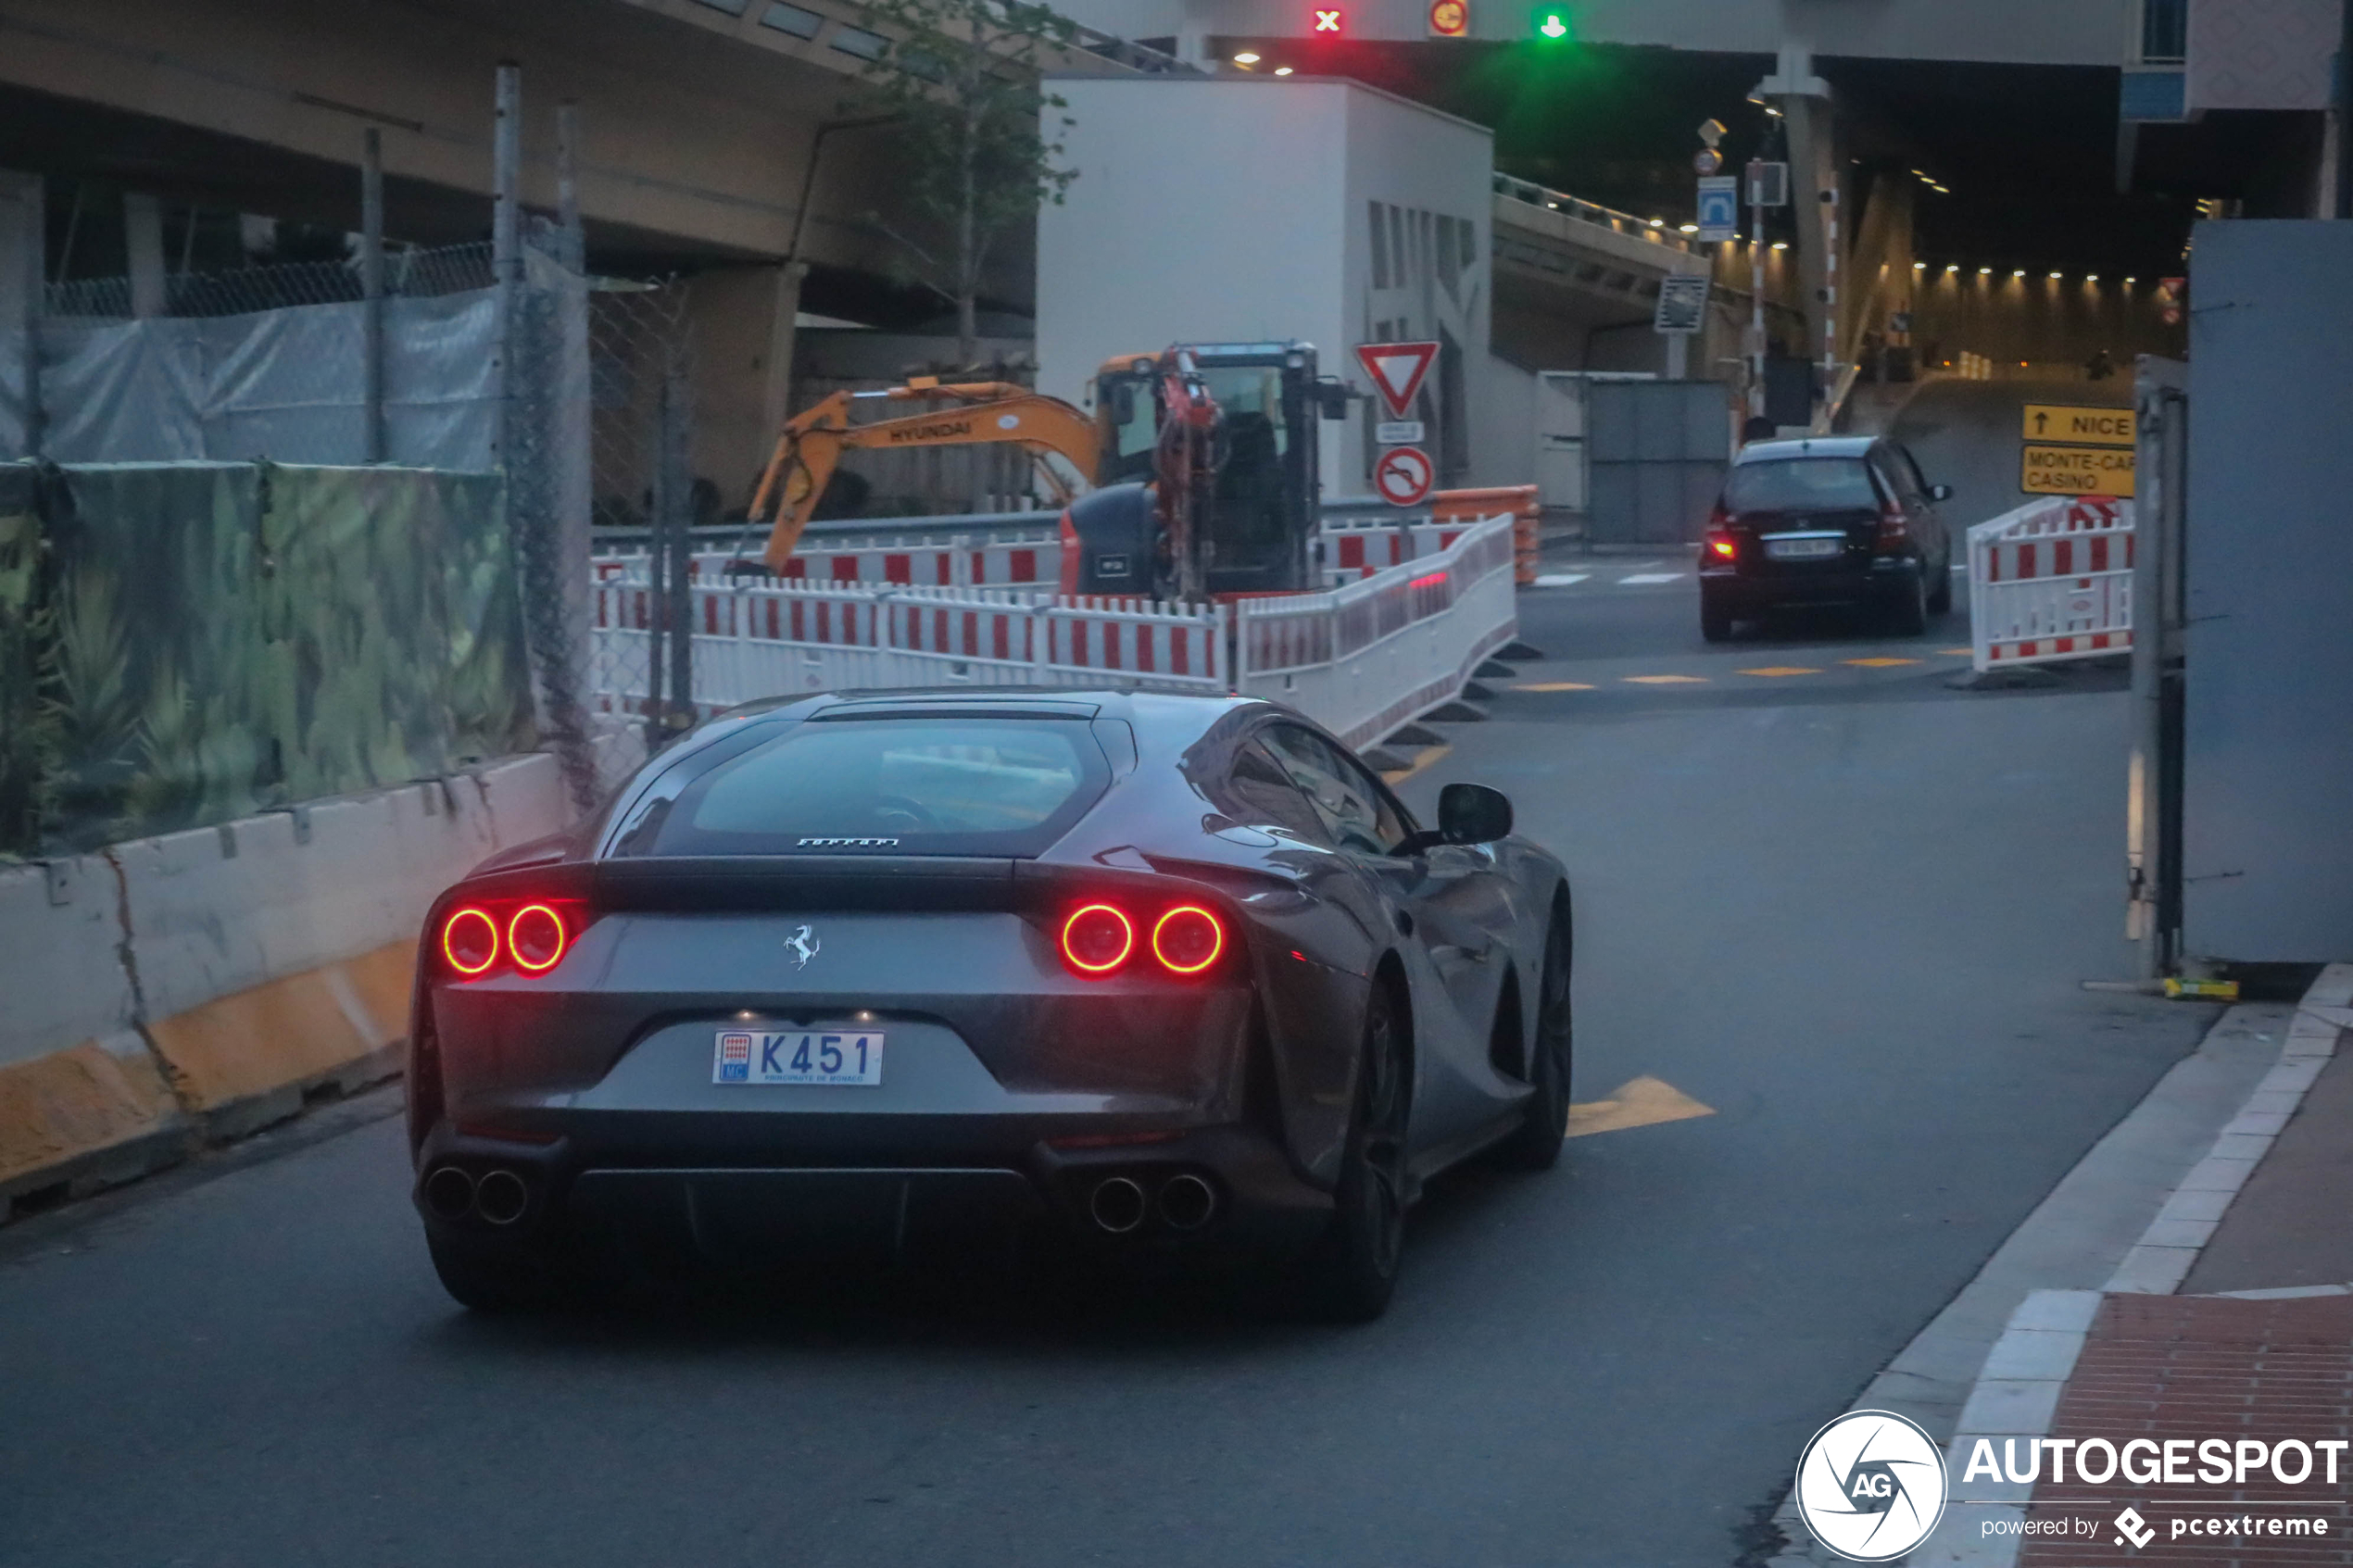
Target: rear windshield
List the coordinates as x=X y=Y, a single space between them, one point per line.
x=907 y=787
x=1799 y=484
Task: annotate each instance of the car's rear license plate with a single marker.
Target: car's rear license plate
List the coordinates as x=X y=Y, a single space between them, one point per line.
x=844 y=1059
x=1803 y=549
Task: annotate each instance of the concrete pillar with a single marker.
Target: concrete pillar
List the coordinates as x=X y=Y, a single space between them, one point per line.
x=142 y=236
x=740 y=327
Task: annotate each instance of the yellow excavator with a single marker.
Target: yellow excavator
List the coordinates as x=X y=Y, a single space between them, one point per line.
x=1198 y=470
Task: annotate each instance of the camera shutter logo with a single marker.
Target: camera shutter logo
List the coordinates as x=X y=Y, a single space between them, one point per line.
x=1872 y=1486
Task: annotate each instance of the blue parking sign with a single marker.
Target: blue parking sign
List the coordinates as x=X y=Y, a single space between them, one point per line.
x=1720 y=207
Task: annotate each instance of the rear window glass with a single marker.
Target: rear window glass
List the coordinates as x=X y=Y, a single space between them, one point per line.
x=1799 y=484
x=909 y=786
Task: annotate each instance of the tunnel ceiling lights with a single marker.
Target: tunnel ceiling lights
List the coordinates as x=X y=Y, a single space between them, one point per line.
x=1246 y=58
x=1282 y=71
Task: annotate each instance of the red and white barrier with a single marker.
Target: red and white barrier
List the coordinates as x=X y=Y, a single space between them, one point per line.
x=2051 y=580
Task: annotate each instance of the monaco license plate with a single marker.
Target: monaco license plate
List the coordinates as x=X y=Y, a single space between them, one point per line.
x=1804 y=549
x=840 y=1058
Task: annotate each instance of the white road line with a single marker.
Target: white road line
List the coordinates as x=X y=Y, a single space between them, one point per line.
x=1643 y=577
x=1561 y=579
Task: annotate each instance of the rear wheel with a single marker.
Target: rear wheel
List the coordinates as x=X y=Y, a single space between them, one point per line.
x=1939 y=596
x=1715 y=621
x=1537 y=1145
x=1352 y=1271
x=1907 y=615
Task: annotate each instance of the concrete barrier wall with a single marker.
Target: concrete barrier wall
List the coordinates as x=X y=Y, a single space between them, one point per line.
x=167 y=991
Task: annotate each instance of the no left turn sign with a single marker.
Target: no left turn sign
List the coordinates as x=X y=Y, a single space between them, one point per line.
x=1403 y=476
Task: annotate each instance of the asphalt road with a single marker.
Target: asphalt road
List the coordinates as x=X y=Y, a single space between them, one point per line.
x=1847 y=907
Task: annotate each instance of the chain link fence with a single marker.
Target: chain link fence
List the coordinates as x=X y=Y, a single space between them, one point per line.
x=640 y=430
x=411 y=272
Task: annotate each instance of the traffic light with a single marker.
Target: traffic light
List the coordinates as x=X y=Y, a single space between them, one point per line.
x=1551 y=23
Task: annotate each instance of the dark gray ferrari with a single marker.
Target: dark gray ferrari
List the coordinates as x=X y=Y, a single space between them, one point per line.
x=1158 y=972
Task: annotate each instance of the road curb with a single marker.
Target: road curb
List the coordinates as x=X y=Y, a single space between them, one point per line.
x=2013 y=1382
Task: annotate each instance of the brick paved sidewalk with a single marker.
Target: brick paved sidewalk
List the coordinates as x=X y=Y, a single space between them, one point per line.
x=2163 y=1367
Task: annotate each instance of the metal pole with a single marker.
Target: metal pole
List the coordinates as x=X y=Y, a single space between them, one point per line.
x=678 y=496
x=1756 y=298
x=506 y=245
x=572 y=238
x=658 y=578
x=32 y=274
x=371 y=294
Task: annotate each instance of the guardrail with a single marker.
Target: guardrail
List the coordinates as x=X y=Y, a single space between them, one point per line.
x=2051 y=580
x=1365 y=657
x=1361 y=659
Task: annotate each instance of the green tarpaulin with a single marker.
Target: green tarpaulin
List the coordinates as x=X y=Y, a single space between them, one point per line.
x=181 y=644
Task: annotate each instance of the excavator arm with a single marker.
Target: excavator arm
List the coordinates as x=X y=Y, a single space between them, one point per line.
x=810 y=447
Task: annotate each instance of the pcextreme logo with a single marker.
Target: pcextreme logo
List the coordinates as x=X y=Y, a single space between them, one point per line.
x=1870 y=1485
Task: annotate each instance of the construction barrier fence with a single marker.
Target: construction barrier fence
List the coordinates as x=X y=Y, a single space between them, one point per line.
x=2051 y=580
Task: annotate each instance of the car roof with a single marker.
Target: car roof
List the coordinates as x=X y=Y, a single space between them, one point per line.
x=1807 y=447
x=1149 y=708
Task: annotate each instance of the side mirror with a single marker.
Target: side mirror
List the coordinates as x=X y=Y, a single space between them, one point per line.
x=1470 y=813
x=1331 y=401
x=1940 y=492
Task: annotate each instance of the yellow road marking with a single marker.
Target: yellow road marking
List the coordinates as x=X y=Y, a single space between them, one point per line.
x=1554 y=686
x=1401 y=775
x=1782 y=670
x=1638 y=1104
x=1668 y=680
x=1950 y=652
x=1881 y=663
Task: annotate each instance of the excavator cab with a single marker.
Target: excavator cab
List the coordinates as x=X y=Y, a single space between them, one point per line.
x=1257 y=517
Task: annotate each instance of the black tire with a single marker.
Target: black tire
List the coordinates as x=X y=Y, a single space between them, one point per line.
x=1907 y=615
x=509 y=1278
x=1537 y=1145
x=1352 y=1271
x=1715 y=621
x=1939 y=596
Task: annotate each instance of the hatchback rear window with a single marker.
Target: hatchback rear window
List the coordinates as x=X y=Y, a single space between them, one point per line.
x=1800 y=484
x=914 y=786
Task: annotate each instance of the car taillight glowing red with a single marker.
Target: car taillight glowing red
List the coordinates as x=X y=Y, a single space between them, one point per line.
x=1723 y=545
x=1187 y=939
x=1098 y=938
x=470 y=941
x=535 y=937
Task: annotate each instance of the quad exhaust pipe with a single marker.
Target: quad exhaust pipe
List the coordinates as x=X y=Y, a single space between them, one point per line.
x=498 y=1197
x=1117 y=1205
x=1187 y=1202
x=1183 y=1203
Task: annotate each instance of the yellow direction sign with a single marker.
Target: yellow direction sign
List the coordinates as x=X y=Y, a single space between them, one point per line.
x=2075 y=471
x=2077 y=425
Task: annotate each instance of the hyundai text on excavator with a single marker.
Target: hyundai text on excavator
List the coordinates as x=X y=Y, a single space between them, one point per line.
x=1204 y=461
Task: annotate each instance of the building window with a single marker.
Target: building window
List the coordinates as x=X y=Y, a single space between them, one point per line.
x=793 y=20
x=859 y=42
x=2165 y=30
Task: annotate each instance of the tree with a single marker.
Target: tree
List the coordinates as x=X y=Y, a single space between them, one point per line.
x=966 y=77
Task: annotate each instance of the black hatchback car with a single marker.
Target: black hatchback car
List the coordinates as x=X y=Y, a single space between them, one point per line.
x=1834 y=521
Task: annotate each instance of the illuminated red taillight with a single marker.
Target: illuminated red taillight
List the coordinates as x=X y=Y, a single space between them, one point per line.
x=536 y=938
x=1187 y=939
x=1723 y=546
x=1098 y=938
x=470 y=941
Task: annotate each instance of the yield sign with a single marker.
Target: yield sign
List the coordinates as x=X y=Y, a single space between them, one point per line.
x=1397 y=369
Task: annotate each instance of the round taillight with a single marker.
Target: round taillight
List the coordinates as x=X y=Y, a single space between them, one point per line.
x=1098 y=938
x=470 y=941
x=1187 y=939
x=535 y=936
